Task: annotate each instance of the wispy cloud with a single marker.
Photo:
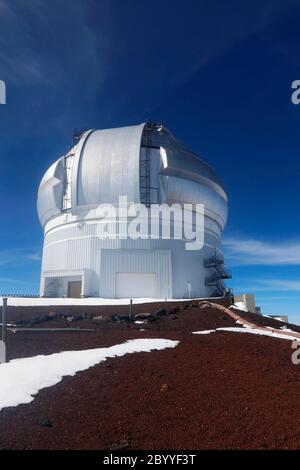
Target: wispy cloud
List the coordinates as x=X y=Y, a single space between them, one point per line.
x=272 y=286
x=288 y=285
x=18 y=256
x=49 y=43
x=242 y=252
x=287 y=297
x=16 y=281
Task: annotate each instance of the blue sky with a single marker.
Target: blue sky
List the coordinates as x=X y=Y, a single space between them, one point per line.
x=217 y=73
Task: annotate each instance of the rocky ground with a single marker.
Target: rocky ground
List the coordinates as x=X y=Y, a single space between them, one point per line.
x=219 y=391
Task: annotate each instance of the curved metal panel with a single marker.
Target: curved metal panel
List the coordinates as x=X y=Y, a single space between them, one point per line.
x=49 y=202
x=184 y=164
x=185 y=191
x=107 y=166
x=180 y=161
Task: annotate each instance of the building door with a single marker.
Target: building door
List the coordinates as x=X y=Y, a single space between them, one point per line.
x=130 y=285
x=74 y=289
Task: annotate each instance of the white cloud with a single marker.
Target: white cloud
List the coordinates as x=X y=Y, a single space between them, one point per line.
x=258 y=285
x=278 y=285
x=18 y=256
x=16 y=281
x=243 y=252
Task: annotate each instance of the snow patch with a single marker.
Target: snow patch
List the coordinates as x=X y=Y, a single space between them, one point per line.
x=204 y=332
x=50 y=302
x=285 y=328
x=239 y=306
x=253 y=331
x=22 y=379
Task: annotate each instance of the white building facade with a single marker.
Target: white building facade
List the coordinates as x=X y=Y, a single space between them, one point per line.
x=144 y=164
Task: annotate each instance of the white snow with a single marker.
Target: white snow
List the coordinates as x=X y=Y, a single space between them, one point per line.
x=253 y=331
x=99 y=301
x=204 y=332
x=285 y=328
x=48 y=302
x=239 y=306
x=21 y=379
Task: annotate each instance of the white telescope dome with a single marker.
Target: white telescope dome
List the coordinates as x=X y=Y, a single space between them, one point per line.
x=148 y=165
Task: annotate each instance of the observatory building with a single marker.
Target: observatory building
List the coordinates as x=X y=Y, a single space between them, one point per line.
x=146 y=165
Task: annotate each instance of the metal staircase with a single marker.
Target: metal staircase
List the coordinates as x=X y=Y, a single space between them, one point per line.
x=145 y=183
x=216 y=264
x=68 y=165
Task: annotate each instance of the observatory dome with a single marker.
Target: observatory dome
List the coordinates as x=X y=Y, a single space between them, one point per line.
x=148 y=165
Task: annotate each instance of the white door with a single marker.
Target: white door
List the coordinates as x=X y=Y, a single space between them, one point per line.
x=129 y=285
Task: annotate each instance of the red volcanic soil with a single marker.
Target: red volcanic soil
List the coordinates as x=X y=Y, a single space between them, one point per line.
x=218 y=391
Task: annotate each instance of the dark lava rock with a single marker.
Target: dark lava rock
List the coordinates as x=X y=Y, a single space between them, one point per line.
x=79 y=317
x=143 y=316
x=186 y=306
x=161 y=312
x=44 y=423
x=98 y=318
x=120 y=318
x=52 y=315
x=119 y=445
x=174 y=310
x=34 y=321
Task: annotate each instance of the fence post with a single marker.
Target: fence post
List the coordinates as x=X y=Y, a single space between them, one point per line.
x=3 y=337
x=4 y=315
x=130 y=309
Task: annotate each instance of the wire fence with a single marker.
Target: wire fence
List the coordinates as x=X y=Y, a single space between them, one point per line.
x=27 y=296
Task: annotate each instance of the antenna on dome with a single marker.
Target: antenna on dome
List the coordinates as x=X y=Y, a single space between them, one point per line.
x=153 y=125
x=77 y=134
